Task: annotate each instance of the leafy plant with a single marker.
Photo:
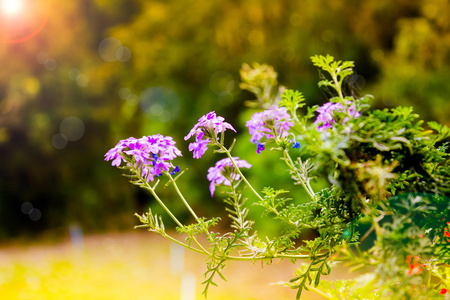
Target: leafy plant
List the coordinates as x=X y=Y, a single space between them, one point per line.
x=384 y=168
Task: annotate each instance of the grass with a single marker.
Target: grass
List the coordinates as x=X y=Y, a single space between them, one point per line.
x=133 y=265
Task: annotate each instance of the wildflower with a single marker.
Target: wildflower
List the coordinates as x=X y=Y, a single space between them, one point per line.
x=259 y=147
x=443 y=291
x=206 y=131
x=296 y=145
x=199 y=146
x=272 y=123
x=150 y=154
x=176 y=170
x=224 y=172
x=325 y=119
x=413 y=268
x=447 y=235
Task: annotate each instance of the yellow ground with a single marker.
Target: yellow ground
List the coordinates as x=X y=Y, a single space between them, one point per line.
x=133 y=265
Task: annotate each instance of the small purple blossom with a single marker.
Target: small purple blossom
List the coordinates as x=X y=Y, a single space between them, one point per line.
x=210 y=125
x=296 y=145
x=150 y=154
x=271 y=123
x=176 y=170
x=199 y=146
x=259 y=147
x=224 y=171
x=325 y=119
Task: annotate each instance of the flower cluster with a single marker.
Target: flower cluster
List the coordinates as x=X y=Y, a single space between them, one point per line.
x=325 y=119
x=413 y=265
x=207 y=128
x=272 y=123
x=151 y=154
x=224 y=172
x=447 y=233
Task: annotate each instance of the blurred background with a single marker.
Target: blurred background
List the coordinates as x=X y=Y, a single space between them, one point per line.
x=78 y=76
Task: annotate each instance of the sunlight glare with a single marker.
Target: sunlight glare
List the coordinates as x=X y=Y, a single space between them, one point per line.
x=11 y=7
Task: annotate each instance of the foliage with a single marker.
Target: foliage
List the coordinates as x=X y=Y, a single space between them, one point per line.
x=400 y=49
x=384 y=169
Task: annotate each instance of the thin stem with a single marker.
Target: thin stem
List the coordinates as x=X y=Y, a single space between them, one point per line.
x=202 y=250
x=191 y=211
x=306 y=185
x=281 y=256
x=239 y=171
x=182 y=198
x=338 y=86
x=160 y=201
x=152 y=190
x=135 y=169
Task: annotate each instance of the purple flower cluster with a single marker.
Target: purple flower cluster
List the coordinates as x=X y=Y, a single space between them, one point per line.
x=326 y=113
x=224 y=171
x=207 y=128
x=274 y=122
x=152 y=154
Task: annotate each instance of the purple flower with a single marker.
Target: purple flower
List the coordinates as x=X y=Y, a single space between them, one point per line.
x=150 y=154
x=176 y=170
x=199 y=146
x=206 y=130
x=224 y=171
x=272 y=123
x=325 y=119
x=259 y=147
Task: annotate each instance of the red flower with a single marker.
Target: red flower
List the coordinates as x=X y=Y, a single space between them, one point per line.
x=414 y=268
x=443 y=291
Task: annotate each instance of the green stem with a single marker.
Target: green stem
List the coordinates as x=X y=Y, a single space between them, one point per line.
x=182 y=198
x=306 y=185
x=160 y=201
x=239 y=171
x=338 y=86
x=280 y=256
x=146 y=185
x=190 y=210
x=202 y=250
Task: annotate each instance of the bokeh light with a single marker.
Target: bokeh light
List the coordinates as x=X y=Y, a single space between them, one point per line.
x=124 y=93
x=287 y=54
x=21 y=20
x=59 y=141
x=72 y=128
x=111 y=49
x=26 y=207
x=11 y=7
x=35 y=214
x=327 y=36
x=161 y=102
x=81 y=79
x=221 y=81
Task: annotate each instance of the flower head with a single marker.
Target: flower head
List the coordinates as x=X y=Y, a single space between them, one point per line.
x=413 y=265
x=272 y=123
x=206 y=130
x=259 y=147
x=224 y=172
x=150 y=154
x=325 y=119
